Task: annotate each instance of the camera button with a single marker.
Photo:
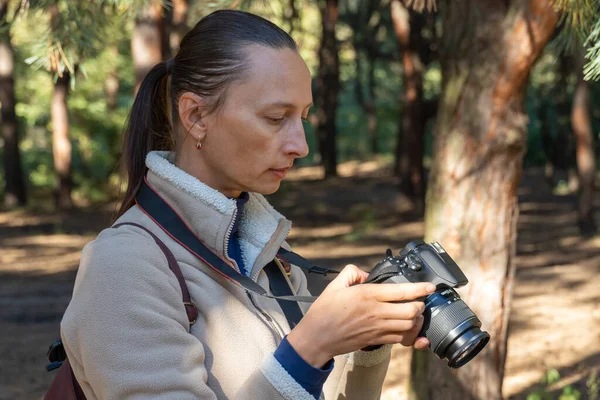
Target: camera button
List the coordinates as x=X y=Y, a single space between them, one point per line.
x=414 y=263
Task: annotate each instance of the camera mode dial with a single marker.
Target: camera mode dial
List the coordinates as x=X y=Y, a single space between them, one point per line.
x=414 y=262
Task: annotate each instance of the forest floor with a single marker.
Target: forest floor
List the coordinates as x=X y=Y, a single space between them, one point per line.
x=555 y=322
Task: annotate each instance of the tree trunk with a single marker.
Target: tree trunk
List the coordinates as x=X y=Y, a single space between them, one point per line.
x=61 y=144
x=111 y=83
x=547 y=143
x=410 y=147
x=586 y=165
x=328 y=87
x=367 y=105
x=14 y=190
x=487 y=52
x=562 y=152
x=179 y=26
x=147 y=41
x=174 y=27
x=371 y=110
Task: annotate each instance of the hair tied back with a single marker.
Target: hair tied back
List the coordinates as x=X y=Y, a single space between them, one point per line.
x=169 y=65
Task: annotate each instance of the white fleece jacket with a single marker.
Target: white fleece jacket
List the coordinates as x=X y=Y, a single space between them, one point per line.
x=126 y=332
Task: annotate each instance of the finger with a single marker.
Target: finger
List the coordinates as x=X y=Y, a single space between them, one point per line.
x=409 y=310
x=421 y=343
x=401 y=291
x=392 y=338
x=350 y=275
x=398 y=338
x=400 y=326
x=411 y=336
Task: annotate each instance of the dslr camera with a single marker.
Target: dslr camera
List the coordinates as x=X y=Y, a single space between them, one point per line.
x=452 y=328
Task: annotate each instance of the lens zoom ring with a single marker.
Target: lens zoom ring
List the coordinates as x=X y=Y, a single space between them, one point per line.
x=448 y=318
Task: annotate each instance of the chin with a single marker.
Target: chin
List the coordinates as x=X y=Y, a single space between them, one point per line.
x=267 y=189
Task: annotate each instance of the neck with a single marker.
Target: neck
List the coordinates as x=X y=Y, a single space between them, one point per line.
x=194 y=165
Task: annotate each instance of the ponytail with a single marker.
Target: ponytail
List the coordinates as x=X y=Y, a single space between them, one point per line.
x=148 y=128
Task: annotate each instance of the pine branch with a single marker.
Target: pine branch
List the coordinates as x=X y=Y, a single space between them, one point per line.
x=580 y=23
x=76 y=30
x=592 y=68
x=420 y=5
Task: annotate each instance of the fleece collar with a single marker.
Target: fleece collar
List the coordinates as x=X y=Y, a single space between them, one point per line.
x=211 y=215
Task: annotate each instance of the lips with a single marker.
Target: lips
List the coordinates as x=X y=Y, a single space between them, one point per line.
x=280 y=172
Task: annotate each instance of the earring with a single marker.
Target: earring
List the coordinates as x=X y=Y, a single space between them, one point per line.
x=199 y=145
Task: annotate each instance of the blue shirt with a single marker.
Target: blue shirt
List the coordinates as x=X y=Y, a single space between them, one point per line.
x=310 y=378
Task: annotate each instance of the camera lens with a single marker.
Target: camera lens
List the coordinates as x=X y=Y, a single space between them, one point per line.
x=452 y=328
x=466 y=347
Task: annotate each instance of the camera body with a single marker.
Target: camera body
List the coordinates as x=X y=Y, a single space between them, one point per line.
x=420 y=262
x=449 y=324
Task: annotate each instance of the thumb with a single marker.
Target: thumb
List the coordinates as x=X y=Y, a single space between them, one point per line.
x=350 y=275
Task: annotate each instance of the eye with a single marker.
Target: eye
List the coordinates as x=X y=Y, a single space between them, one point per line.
x=275 y=120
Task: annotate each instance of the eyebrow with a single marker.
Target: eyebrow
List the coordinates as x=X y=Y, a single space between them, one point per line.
x=287 y=105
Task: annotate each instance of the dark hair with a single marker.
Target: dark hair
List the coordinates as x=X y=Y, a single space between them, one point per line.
x=211 y=56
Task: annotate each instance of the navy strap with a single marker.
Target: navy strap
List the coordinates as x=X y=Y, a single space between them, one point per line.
x=303 y=263
x=280 y=287
x=153 y=205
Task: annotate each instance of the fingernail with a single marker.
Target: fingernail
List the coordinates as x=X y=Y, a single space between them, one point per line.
x=431 y=288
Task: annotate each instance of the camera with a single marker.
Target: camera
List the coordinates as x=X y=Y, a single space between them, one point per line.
x=452 y=328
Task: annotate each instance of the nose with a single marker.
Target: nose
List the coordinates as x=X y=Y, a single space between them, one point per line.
x=296 y=145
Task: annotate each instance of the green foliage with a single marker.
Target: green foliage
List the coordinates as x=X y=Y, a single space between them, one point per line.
x=552 y=378
x=74 y=31
x=576 y=18
x=548 y=103
x=422 y=5
x=580 y=22
x=96 y=129
x=592 y=69
x=593 y=385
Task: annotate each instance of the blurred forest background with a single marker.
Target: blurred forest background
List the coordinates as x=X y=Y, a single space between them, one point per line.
x=431 y=119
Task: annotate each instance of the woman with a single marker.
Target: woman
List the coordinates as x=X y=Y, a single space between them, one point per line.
x=212 y=130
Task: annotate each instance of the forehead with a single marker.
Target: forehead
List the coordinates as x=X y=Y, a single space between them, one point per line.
x=273 y=75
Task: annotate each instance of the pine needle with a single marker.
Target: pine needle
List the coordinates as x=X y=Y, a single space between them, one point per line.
x=592 y=68
x=580 y=22
x=420 y=5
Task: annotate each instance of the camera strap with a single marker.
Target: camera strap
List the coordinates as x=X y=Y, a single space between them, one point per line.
x=155 y=207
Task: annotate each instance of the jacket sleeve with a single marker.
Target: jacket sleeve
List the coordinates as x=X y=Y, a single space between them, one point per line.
x=358 y=375
x=126 y=331
x=355 y=376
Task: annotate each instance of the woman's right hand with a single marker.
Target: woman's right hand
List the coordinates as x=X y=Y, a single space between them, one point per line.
x=348 y=316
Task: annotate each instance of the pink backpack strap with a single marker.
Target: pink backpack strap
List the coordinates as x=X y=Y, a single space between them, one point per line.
x=65 y=386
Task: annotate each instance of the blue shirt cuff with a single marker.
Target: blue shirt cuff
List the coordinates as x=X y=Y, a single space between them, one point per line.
x=310 y=378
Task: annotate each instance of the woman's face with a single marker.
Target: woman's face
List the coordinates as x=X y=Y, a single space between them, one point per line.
x=252 y=141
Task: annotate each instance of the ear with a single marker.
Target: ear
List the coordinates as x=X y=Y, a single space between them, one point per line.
x=192 y=114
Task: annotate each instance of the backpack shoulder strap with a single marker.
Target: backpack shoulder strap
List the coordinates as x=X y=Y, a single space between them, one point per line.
x=190 y=308
x=65 y=386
